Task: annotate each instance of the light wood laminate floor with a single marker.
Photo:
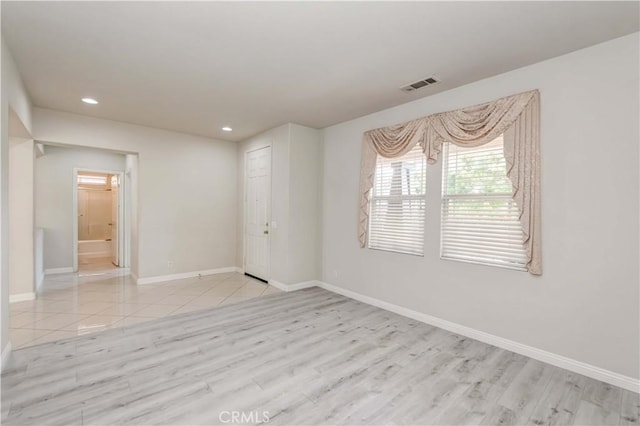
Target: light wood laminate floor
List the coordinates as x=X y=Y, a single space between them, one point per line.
x=306 y=357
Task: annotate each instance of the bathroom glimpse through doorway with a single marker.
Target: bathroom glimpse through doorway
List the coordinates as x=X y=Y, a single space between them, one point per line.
x=98 y=220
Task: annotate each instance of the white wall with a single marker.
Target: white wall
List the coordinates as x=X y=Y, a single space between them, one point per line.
x=21 y=217
x=14 y=98
x=39 y=258
x=54 y=196
x=186 y=199
x=305 y=204
x=585 y=305
x=295 y=200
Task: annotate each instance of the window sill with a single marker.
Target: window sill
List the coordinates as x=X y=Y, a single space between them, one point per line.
x=493 y=265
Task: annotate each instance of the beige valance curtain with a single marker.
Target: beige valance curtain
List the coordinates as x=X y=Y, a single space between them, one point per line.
x=517 y=117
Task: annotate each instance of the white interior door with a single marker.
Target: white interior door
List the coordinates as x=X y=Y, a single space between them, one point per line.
x=115 y=204
x=258 y=213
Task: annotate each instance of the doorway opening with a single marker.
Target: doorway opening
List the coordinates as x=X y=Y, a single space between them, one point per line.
x=257 y=216
x=99 y=240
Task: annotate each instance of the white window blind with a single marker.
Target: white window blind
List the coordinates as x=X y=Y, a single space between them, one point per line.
x=479 y=217
x=396 y=220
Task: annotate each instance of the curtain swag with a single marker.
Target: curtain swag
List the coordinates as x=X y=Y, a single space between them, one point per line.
x=517 y=117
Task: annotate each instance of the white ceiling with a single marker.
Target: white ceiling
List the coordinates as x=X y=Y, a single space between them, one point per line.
x=195 y=67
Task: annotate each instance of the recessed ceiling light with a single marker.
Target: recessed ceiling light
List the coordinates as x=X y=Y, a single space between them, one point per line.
x=89 y=101
x=227 y=129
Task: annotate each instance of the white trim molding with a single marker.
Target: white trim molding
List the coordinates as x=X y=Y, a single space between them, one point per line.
x=6 y=352
x=616 y=379
x=39 y=282
x=294 y=287
x=194 y=274
x=53 y=271
x=21 y=297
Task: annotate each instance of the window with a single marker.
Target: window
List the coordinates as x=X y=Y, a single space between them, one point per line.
x=92 y=180
x=479 y=217
x=396 y=219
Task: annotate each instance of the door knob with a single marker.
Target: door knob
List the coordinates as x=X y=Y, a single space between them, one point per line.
x=265 y=232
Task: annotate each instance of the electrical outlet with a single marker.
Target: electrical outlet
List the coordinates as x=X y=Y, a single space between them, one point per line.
x=335 y=273
x=170 y=264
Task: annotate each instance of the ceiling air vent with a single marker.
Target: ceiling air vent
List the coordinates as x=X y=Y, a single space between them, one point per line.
x=419 y=84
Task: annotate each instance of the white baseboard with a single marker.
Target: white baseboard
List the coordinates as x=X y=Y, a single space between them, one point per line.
x=162 y=278
x=5 y=356
x=240 y=269
x=570 y=364
x=21 y=297
x=293 y=287
x=65 y=270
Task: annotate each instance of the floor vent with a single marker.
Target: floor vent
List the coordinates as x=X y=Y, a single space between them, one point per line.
x=419 y=84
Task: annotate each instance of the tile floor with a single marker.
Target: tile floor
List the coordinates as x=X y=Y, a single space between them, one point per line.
x=100 y=297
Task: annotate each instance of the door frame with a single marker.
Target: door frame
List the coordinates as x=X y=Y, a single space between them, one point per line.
x=121 y=216
x=244 y=204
